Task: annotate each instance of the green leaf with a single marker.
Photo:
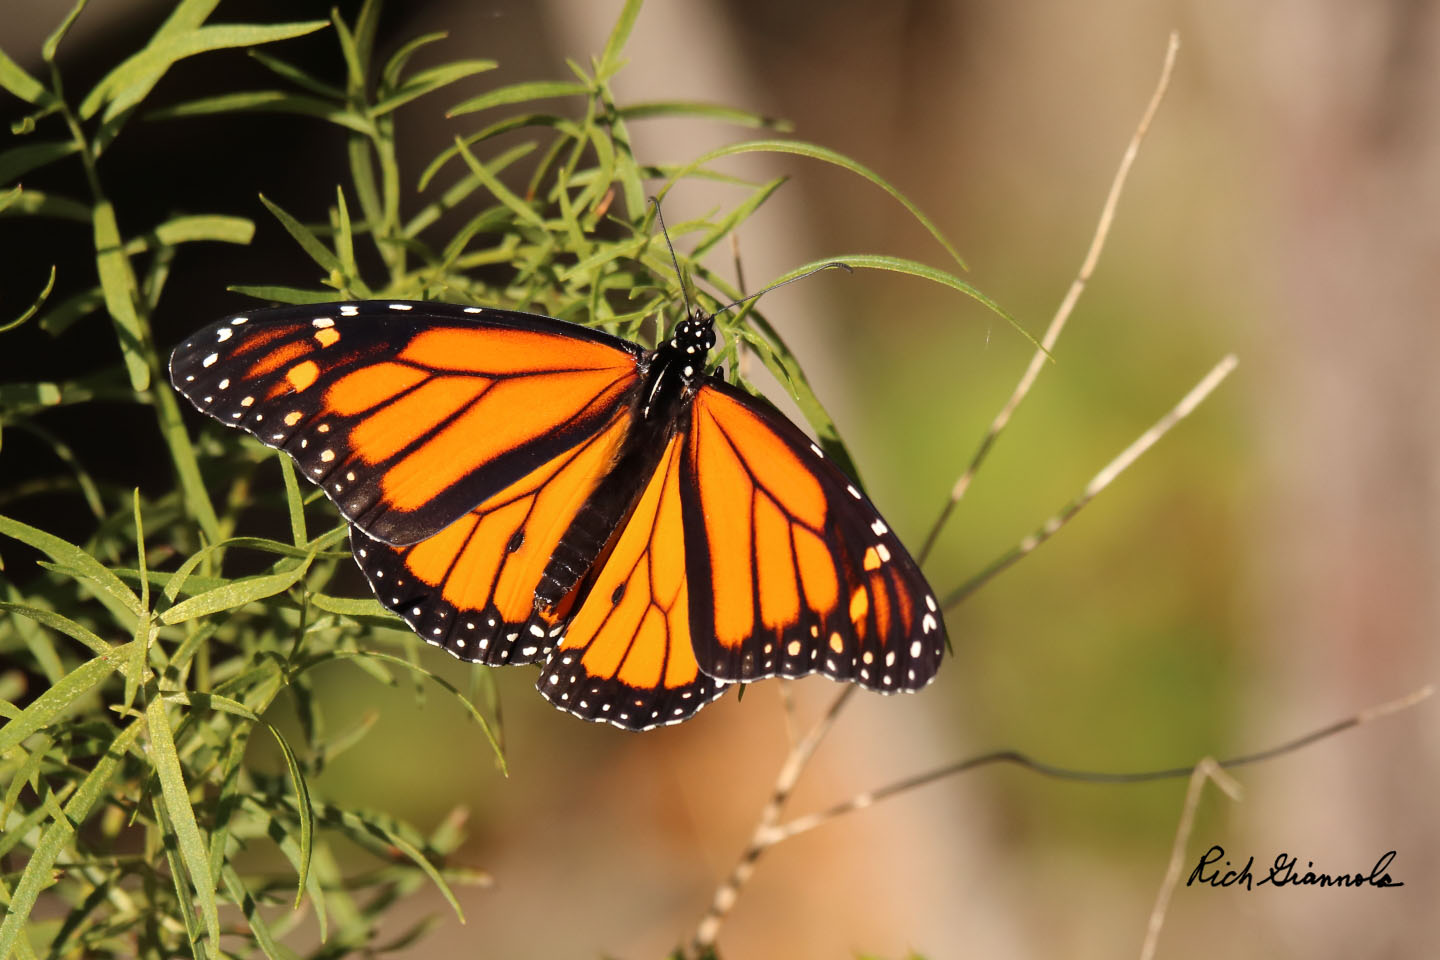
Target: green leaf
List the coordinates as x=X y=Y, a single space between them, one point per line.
x=27 y=88
x=213 y=228
x=428 y=81
x=31 y=310
x=390 y=75
x=294 y=502
x=52 y=42
x=814 y=152
x=494 y=130
x=254 y=919
x=514 y=204
x=297 y=76
x=117 y=280
x=266 y=101
x=519 y=93
x=363 y=655
x=132 y=81
x=59 y=698
x=701 y=109
x=210 y=701
x=177 y=803
x=57 y=837
x=277 y=294
x=18 y=161
x=239 y=592
x=610 y=59
x=311 y=244
x=59 y=317
x=55 y=621
x=38 y=204
x=67 y=554
x=865 y=261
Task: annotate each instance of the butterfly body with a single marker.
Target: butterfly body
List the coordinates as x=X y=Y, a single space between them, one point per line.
x=525 y=490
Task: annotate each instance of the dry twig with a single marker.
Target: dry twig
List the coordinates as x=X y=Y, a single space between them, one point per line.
x=1067 y=306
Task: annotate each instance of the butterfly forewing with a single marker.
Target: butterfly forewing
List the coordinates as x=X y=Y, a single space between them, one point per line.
x=409 y=414
x=792 y=571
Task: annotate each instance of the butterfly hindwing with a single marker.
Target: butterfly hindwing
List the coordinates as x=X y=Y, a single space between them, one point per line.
x=626 y=658
x=791 y=570
x=408 y=414
x=471 y=588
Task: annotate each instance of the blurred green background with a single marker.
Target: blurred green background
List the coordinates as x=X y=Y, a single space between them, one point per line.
x=1269 y=567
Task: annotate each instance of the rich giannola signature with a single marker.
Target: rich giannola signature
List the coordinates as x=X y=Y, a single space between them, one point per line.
x=1216 y=871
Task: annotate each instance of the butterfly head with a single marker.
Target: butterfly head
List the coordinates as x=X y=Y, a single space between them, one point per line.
x=691 y=339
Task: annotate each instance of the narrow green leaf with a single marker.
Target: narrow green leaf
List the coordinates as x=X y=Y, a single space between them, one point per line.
x=390 y=75
x=177 y=803
x=814 y=152
x=311 y=244
x=354 y=63
x=297 y=76
x=145 y=623
x=67 y=554
x=610 y=59
x=912 y=268
x=34 y=307
x=44 y=709
x=52 y=42
x=345 y=242
x=428 y=81
x=278 y=294
x=193 y=229
x=348 y=607
x=57 y=837
x=238 y=593
x=519 y=207
x=65 y=625
x=732 y=220
x=519 y=93
x=363 y=655
x=18 y=161
x=294 y=502
x=367 y=24
x=132 y=81
x=24 y=86
x=59 y=317
x=702 y=110
x=266 y=101
x=38 y=204
x=117 y=280
x=494 y=130
x=9 y=197
x=254 y=919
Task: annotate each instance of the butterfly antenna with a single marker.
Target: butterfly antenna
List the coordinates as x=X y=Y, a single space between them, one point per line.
x=673 y=259
x=834 y=264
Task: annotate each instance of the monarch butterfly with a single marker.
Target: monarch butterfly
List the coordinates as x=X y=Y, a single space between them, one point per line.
x=522 y=489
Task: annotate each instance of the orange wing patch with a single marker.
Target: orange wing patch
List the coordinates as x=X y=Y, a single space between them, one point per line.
x=791 y=570
x=471 y=587
x=626 y=658
x=409 y=414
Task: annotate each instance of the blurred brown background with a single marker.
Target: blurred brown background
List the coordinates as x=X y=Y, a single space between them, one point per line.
x=1269 y=567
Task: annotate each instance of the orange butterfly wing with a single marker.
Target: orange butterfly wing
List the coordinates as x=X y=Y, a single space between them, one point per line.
x=471 y=588
x=791 y=570
x=409 y=414
x=626 y=657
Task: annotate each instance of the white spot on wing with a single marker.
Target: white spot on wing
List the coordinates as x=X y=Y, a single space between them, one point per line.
x=399 y=306
x=225 y=334
x=210 y=360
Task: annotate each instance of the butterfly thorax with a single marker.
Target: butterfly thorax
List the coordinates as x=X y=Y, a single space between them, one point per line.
x=672 y=374
x=677 y=366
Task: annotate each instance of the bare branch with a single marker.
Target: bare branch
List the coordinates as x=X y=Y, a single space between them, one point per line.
x=861 y=801
x=1067 y=305
x=762 y=839
x=1099 y=482
x=1206 y=769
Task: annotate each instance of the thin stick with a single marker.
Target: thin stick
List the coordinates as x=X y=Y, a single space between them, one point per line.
x=1099 y=482
x=1206 y=769
x=861 y=801
x=729 y=891
x=1067 y=306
